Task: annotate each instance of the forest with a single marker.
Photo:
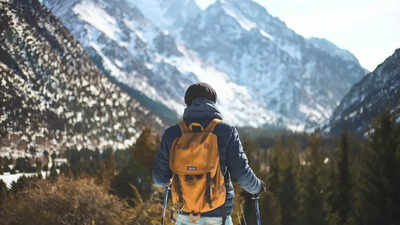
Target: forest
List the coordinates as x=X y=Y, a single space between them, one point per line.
x=312 y=179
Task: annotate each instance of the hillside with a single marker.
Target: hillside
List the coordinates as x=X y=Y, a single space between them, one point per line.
x=377 y=92
x=52 y=95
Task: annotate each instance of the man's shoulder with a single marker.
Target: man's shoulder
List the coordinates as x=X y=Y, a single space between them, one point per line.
x=224 y=129
x=172 y=131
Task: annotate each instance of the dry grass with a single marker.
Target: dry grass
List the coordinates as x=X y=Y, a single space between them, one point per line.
x=66 y=202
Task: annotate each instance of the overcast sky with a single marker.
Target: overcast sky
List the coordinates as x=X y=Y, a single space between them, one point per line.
x=370 y=29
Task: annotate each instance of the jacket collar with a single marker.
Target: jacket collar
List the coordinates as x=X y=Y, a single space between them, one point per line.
x=201 y=110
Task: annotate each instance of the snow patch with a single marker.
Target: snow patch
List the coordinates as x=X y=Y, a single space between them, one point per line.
x=154 y=10
x=267 y=35
x=292 y=50
x=9 y=178
x=243 y=21
x=228 y=92
x=309 y=111
x=98 y=18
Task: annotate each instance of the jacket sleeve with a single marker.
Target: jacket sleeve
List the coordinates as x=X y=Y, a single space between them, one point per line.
x=161 y=171
x=238 y=166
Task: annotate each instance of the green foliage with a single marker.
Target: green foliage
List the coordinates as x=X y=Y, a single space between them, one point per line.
x=132 y=175
x=137 y=172
x=283 y=164
x=270 y=209
x=145 y=149
x=342 y=198
x=380 y=175
x=311 y=179
x=314 y=185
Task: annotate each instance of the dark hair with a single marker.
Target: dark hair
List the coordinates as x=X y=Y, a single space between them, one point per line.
x=200 y=90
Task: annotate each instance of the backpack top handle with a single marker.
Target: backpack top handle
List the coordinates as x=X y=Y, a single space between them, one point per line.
x=195 y=125
x=210 y=127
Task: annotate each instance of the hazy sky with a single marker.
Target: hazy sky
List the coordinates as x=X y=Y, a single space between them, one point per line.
x=370 y=29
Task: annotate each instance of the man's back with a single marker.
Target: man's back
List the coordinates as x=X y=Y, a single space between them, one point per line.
x=233 y=160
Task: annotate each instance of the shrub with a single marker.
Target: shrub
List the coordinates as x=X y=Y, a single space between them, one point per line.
x=65 y=202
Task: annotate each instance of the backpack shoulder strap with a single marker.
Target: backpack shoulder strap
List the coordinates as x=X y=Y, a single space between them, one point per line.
x=211 y=126
x=183 y=127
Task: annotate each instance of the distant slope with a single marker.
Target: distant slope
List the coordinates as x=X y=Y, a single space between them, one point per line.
x=52 y=95
x=378 y=91
x=264 y=72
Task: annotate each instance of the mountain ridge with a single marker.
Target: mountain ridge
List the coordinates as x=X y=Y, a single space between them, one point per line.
x=376 y=92
x=268 y=74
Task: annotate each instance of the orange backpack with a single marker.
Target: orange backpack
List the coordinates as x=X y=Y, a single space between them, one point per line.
x=197 y=181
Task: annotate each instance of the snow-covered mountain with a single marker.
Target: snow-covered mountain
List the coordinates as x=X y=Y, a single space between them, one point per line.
x=263 y=72
x=52 y=96
x=377 y=92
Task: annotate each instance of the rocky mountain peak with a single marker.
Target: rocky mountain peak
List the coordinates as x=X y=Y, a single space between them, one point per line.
x=266 y=73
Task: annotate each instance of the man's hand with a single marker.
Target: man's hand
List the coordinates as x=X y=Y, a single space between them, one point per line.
x=263 y=188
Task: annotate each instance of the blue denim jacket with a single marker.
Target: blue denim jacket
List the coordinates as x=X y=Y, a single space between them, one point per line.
x=234 y=163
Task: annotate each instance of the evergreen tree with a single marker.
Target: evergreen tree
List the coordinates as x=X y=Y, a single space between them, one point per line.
x=19 y=185
x=53 y=173
x=53 y=156
x=274 y=174
x=253 y=155
x=344 y=189
x=66 y=171
x=380 y=183
x=312 y=210
x=3 y=191
x=270 y=210
x=288 y=196
x=38 y=165
x=145 y=149
x=137 y=172
x=132 y=174
x=22 y=165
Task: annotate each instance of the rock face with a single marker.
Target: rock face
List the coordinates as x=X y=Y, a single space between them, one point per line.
x=377 y=92
x=264 y=73
x=52 y=96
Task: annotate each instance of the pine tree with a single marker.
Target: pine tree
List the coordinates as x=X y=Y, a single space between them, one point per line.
x=313 y=188
x=132 y=174
x=252 y=153
x=380 y=183
x=270 y=210
x=274 y=174
x=288 y=193
x=344 y=189
x=145 y=149
x=3 y=192
x=53 y=173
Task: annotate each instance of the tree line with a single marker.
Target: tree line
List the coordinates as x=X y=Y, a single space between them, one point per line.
x=312 y=179
x=321 y=180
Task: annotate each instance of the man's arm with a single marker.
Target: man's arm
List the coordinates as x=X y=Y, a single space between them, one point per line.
x=161 y=172
x=238 y=165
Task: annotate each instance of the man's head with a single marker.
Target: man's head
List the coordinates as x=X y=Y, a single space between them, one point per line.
x=200 y=90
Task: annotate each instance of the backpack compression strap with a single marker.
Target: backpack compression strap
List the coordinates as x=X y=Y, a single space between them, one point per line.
x=184 y=128
x=210 y=127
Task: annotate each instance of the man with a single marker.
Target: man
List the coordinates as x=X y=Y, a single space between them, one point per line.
x=200 y=100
